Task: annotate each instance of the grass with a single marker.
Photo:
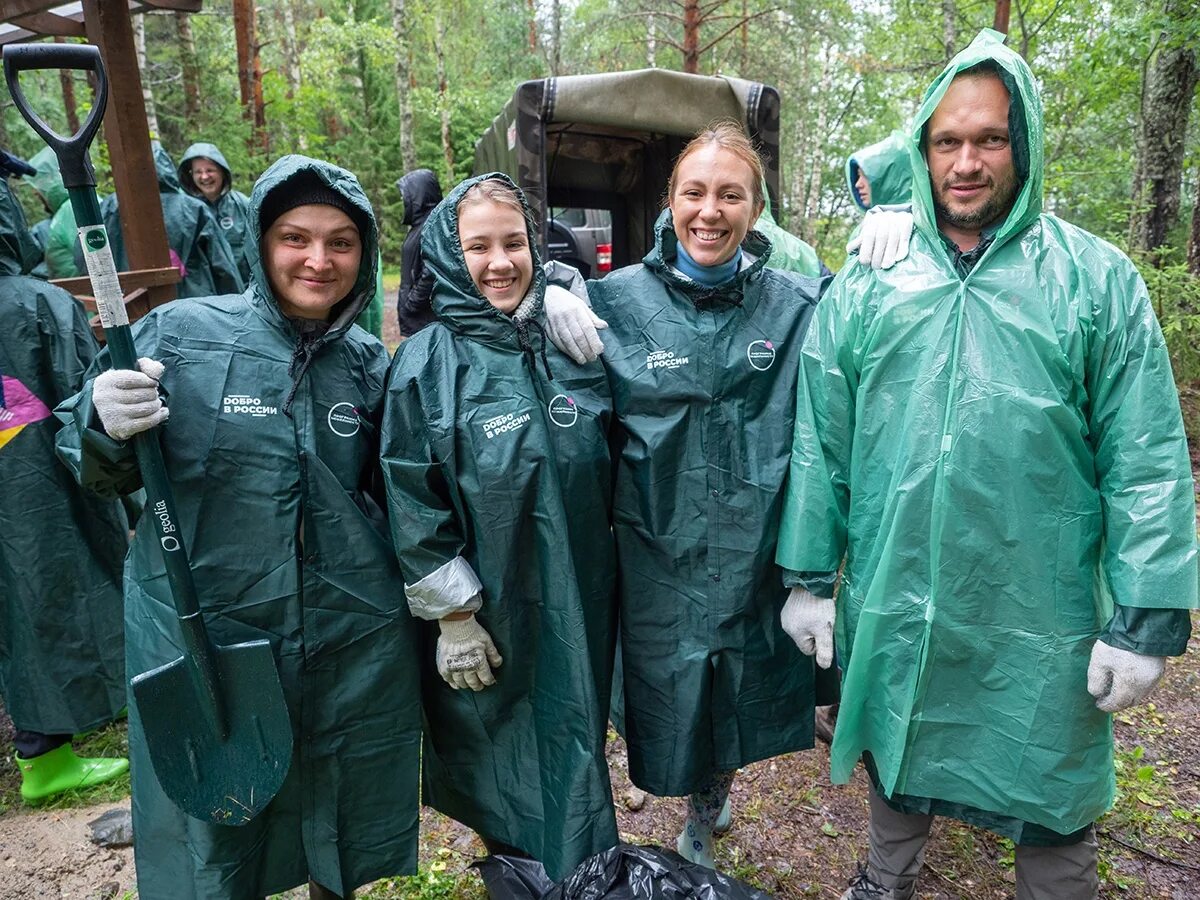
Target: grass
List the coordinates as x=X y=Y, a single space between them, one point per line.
x=110 y=741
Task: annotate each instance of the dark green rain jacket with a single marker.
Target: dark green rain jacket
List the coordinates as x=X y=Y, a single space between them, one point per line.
x=62 y=667
x=490 y=460
x=887 y=166
x=998 y=457
x=704 y=384
x=61 y=233
x=198 y=242
x=231 y=209
x=272 y=449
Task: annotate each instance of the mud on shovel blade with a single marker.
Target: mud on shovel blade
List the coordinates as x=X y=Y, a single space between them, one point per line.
x=215 y=720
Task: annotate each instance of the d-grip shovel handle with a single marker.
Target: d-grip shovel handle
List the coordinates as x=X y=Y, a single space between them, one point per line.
x=72 y=152
x=80 y=180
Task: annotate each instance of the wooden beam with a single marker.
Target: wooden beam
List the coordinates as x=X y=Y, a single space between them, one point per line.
x=49 y=23
x=192 y=6
x=10 y=9
x=128 y=136
x=138 y=278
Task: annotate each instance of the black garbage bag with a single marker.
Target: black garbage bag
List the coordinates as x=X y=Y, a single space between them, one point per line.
x=626 y=872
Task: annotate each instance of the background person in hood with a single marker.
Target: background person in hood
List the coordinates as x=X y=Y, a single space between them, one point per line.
x=989 y=437
x=880 y=174
x=205 y=175
x=496 y=461
x=197 y=242
x=704 y=346
x=421 y=193
x=271 y=445
x=62 y=666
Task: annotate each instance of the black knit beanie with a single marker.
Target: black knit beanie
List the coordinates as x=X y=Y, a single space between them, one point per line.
x=301 y=191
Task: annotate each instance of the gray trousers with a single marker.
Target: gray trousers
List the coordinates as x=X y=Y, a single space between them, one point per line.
x=1043 y=873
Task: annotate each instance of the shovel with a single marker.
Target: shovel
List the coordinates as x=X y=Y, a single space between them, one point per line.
x=215 y=720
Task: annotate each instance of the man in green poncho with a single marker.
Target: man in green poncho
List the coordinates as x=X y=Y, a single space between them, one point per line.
x=62 y=666
x=989 y=435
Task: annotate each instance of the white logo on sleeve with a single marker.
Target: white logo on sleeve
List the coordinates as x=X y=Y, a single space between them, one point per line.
x=563 y=411
x=665 y=359
x=343 y=420
x=246 y=405
x=761 y=355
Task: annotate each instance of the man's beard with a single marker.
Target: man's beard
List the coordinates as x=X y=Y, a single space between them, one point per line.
x=994 y=208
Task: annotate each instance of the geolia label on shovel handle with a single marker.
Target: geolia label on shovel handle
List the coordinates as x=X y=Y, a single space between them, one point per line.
x=97 y=253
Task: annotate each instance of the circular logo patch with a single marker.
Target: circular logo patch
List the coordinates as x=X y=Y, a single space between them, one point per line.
x=96 y=239
x=226 y=222
x=761 y=355
x=563 y=411
x=343 y=420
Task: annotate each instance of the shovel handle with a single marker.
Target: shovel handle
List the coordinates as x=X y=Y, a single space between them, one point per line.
x=78 y=176
x=72 y=152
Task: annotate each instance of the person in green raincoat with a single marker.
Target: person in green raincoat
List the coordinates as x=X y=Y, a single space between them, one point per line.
x=498 y=474
x=275 y=401
x=59 y=234
x=204 y=174
x=880 y=175
x=788 y=252
x=198 y=246
x=703 y=349
x=62 y=665
x=989 y=436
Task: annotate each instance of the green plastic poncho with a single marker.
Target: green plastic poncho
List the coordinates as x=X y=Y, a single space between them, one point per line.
x=788 y=252
x=62 y=235
x=888 y=170
x=196 y=240
x=996 y=456
x=272 y=449
x=490 y=460
x=231 y=209
x=62 y=667
x=703 y=384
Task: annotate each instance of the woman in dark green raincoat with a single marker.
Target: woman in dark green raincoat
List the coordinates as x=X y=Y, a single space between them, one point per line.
x=703 y=347
x=275 y=399
x=496 y=462
x=61 y=654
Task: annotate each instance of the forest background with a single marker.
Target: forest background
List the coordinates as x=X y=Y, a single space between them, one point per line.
x=384 y=86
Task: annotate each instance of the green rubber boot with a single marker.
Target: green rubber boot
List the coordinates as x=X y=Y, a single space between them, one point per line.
x=61 y=770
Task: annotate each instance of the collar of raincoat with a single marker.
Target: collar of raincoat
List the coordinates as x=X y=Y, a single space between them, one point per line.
x=987 y=46
x=275 y=178
x=666 y=247
x=888 y=170
x=18 y=251
x=457 y=302
x=48 y=180
x=207 y=151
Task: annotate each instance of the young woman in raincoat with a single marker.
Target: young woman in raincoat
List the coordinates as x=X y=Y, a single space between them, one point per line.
x=498 y=477
x=703 y=348
x=275 y=399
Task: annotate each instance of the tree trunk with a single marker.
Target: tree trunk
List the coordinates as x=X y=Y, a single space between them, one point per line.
x=68 y=92
x=949 y=28
x=1166 y=102
x=1193 y=246
x=652 y=43
x=139 y=43
x=443 y=96
x=556 y=36
x=745 y=40
x=291 y=69
x=532 y=16
x=813 y=195
x=191 y=70
x=691 y=36
x=408 y=152
x=1003 y=10
x=250 y=73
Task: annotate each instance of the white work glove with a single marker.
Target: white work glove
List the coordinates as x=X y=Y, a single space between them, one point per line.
x=1119 y=679
x=883 y=239
x=572 y=325
x=808 y=620
x=127 y=401
x=464 y=652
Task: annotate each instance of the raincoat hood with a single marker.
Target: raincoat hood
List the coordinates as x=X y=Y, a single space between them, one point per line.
x=19 y=252
x=48 y=180
x=457 y=302
x=277 y=177
x=888 y=169
x=420 y=191
x=164 y=168
x=666 y=245
x=202 y=150
x=788 y=252
x=1025 y=135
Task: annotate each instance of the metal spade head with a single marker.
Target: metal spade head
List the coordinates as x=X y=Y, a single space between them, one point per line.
x=223 y=780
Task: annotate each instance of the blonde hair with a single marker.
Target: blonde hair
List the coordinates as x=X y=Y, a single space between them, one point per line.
x=728 y=135
x=493 y=190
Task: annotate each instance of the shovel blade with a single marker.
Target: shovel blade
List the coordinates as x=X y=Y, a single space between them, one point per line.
x=223 y=781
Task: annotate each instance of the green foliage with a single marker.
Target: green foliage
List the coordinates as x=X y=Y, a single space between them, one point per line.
x=442 y=879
